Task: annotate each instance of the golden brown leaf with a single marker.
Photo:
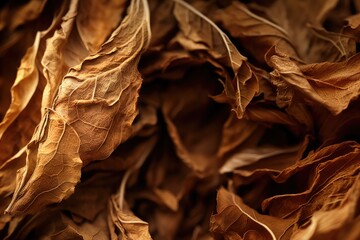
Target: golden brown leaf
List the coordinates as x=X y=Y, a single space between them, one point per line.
x=64 y=142
x=124 y=224
x=324 y=224
x=325 y=84
x=205 y=35
x=97 y=19
x=235 y=220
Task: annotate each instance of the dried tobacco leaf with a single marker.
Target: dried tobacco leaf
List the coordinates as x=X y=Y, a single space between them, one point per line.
x=324 y=225
x=257 y=34
x=124 y=224
x=116 y=87
x=235 y=220
x=12 y=17
x=327 y=84
x=24 y=86
x=96 y=20
x=205 y=35
x=137 y=138
x=63 y=142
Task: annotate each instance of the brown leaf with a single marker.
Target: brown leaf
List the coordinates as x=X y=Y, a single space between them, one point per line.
x=65 y=133
x=14 y=17
x=15 y=132
x=124 y=224
x=235 y=220
x=198 y=153
x=295 y=17
x=323 y=224
x=325 y=84
x=91 y=102
x=205 y=35
x=54 y=177
x=250 y=156
x=256 y=33
x=24 y=86
x=108 y=134
x=324 y=188
x=97 y=19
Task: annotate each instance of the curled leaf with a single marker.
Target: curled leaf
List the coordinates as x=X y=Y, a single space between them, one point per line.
x=63 y=142
x=202 y=31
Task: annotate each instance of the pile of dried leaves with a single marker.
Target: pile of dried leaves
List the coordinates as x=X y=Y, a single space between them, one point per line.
x=179 y=120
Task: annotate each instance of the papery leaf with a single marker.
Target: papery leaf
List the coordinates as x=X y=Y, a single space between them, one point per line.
x=24 y=86
x=250 y=156
x=325 y=84
x=26 y=96
x=55 y=224
x=198 y=28
x=323 y=224
x=325 y=188
x=52 y=169
x=235 y=220
x=207 y=36
x=97 y=19
x=63 y=50
x=87 y=104
x=250 y=28
x=103 y=90
x=124 y=224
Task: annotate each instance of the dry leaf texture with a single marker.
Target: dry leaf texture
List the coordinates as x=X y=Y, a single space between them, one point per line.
x=180 y=119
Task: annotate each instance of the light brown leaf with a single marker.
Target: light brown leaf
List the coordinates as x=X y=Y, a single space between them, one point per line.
x=124 y=224
x=255 y=33
x=330 y=85
x=24 y=86
x=103 y=90
x=329 y=224
x=252 y=155
x=97 y=19
x=205 y=35
x=23 y=114
x=87 y=103
x=235 y=220
x=63 y=49
x=52 y=169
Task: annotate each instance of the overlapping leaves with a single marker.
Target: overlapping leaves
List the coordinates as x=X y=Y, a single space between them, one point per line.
x=179 y=119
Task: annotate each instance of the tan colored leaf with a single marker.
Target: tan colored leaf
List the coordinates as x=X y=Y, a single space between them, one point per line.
x=64 y=49
x=330 y=224
x=167 y=198
x=24 y=86
x=124 y=224
x=52 y=169
x=256 y=33
x=205 y=35
x=97 y=19
x=252 y=155
x=103 y=90
x=235 y=220
x=325 y=84
x=23 y=114
x=87 y=103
